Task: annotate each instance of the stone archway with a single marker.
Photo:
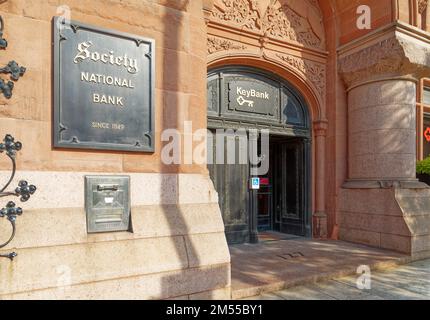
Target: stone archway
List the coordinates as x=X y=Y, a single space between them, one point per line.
x=242 y=99
x=287 y=38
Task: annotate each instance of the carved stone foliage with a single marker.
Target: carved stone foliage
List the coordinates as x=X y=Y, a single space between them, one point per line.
x=317 y=75
x=422 y=5
x=243 y=13
x=288 y=21
x=384 y=56
x=394 y=56
x=281 y=22
x=217 y=44
x=315 y=72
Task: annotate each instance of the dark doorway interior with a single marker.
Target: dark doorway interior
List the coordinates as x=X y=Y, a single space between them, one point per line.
x=280 y=200
x=280 y=204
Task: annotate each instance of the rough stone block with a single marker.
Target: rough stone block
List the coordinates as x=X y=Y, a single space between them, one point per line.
x=360 y=236
x=91 y=262
x=396 y=242
x=202 y=251
x=219 y=294
x=176 y=284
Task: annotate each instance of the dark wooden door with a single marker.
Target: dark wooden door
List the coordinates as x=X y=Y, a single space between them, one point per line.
x=231 y=183
x=289 y=214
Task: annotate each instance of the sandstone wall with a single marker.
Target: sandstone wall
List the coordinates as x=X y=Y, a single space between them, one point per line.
x=177 y=247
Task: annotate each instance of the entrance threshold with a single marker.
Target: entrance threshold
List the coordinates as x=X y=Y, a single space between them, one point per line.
x=267 y=236
x=275 y=265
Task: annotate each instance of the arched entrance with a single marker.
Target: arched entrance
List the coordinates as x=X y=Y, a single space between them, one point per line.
x=241 y=100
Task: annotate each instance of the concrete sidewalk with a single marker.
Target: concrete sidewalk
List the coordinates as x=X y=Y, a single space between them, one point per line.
x=408 y=282
x=277 y=265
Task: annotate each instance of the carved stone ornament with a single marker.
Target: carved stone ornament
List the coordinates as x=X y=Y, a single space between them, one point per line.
x=422 y=6
x=244 y=13
x=217 y=44
x=315 y=72
x=282 y=22
x=278 y=21
x=397 y=55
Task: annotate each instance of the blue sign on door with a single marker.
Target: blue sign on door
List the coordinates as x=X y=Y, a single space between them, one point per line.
x=255 y=183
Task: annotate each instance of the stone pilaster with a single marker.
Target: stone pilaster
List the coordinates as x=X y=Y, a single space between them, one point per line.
x=380 y=71
x=320 y=215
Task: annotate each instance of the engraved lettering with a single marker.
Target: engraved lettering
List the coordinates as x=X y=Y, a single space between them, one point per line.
x=105 y=125
x=100 y=125
x=85 y=54
x=95 y=56
x=118 y=126
x=107 y=80
x=118 y=61
x=105 y=58
x=107 y=99
x=85 y=76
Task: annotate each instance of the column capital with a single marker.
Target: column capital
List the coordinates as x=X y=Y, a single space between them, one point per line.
x=320 y=128
x=393 y=51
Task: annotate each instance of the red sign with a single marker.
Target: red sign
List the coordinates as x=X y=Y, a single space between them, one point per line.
x=427 y=134
x=264 y=181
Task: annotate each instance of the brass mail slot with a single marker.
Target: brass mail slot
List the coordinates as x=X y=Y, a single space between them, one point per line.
x=107 y=203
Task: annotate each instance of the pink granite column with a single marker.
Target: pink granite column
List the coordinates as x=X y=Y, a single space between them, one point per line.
x=382 y=130
x=382 y=203
x=380 y=71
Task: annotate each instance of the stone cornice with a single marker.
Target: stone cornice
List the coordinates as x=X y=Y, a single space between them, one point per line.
x=207 y=9
x=393 y=51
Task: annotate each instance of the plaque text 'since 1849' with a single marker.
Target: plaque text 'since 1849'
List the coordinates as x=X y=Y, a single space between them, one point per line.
x=103 y=89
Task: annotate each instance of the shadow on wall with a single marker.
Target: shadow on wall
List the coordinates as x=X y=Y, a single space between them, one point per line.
x=185 y=281
x=390 y=137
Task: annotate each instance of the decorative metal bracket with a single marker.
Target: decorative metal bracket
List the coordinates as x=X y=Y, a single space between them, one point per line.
x=11 y=68
x=23 y=191
x=14 y=69
x=3 y=42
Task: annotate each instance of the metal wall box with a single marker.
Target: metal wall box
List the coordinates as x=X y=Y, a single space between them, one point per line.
x=107 y=203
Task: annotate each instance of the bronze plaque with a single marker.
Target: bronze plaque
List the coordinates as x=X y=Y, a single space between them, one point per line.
x=103 y=89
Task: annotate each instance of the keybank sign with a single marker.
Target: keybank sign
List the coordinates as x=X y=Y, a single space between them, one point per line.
x=252 y=96
x=252 y=93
